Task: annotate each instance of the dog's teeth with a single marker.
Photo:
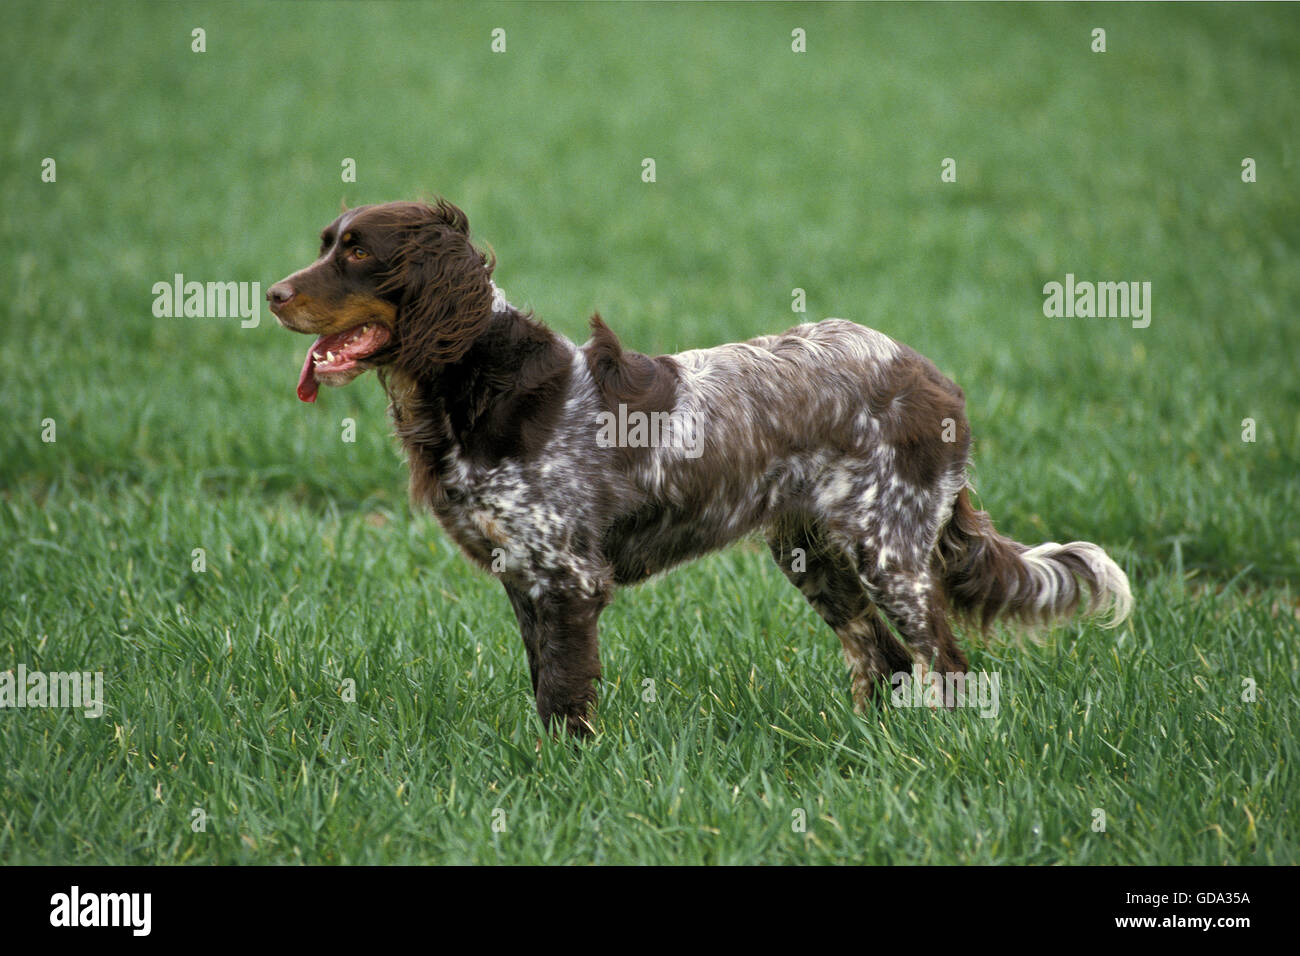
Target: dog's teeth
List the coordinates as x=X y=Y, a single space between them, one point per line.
x=329 y=356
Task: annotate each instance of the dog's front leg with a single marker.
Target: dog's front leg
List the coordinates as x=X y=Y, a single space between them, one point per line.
x=558 y=627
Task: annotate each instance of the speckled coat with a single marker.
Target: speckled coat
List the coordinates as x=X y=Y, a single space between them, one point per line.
x=845 y=449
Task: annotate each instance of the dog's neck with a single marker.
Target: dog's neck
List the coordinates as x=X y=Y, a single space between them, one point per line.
x=498 y=401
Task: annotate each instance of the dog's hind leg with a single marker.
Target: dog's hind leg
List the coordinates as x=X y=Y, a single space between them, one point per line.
x=893 y=544
x=910 y=595
x=825 y=575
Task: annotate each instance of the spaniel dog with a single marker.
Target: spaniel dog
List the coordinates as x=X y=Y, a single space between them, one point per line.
x=569 y=470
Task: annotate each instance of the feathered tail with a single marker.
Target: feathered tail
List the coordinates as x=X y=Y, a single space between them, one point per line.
x=987 y=576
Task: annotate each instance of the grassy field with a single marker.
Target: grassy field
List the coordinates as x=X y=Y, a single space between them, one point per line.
x=228 y=733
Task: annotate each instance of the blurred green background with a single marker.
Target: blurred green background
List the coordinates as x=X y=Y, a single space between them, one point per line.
x=775 y=170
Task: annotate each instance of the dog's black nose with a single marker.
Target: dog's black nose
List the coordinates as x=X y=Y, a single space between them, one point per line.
x=279 y=294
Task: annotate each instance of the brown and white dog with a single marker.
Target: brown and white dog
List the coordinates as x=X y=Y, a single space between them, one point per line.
x=568 y=471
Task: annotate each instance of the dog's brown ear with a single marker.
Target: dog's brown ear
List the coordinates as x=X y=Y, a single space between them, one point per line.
x=444 y=287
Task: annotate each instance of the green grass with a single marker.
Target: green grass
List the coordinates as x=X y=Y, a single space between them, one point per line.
x=775 y=171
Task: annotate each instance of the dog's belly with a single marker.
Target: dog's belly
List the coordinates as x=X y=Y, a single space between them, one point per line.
x=659 y=535
x=640 y=546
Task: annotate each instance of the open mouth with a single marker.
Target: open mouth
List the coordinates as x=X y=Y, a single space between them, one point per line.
x=337 y=359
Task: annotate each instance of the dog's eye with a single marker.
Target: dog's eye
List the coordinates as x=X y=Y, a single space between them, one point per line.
x=356 y=252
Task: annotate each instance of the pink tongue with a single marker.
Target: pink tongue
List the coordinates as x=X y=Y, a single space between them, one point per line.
x=307 y=384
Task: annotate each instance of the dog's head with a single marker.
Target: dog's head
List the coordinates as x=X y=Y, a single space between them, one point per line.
x=395 y=284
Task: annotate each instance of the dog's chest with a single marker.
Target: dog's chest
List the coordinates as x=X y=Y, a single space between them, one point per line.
x=503 y=517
